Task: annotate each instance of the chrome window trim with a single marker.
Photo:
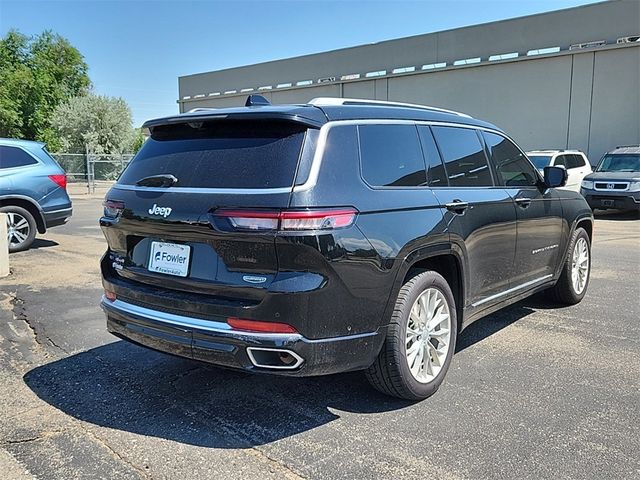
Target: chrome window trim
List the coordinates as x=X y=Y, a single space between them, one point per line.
x=316 y=163
x=314 y=172
x=227 y=191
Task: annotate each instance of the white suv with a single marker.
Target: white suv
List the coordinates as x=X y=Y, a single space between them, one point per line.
x=576 y=163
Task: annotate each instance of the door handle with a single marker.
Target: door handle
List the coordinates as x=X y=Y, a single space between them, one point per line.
x=457 y=206
x=523 y=202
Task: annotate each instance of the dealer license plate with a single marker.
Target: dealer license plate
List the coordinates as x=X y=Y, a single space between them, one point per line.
x=169 y=258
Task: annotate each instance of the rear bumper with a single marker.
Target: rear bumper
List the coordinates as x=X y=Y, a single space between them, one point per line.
x=57 y=217
x=215 y=342
x=618 y=200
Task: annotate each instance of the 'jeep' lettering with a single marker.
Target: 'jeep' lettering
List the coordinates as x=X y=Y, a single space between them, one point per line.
x=162 y=211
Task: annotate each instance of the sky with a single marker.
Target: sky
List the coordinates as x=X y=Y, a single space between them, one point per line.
x=137 y=49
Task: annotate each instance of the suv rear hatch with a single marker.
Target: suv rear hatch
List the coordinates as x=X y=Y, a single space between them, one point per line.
x=192 y=211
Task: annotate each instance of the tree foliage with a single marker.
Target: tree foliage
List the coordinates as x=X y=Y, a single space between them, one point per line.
x=36 y=75
x=94 y=123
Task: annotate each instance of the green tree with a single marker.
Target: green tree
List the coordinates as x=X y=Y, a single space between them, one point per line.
x=36 y=75
x=94 y=123
x=138 y=140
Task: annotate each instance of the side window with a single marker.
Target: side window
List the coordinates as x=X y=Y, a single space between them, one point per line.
x=464 y=157
x=436 y=175
x=391 y=156
x=560 y=161
x=512 y=166
x=576 y=161
x=11 y=157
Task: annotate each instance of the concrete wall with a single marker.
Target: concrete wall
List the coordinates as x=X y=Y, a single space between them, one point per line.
x=586 y=99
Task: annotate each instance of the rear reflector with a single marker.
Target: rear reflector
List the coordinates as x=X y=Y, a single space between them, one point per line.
x=60 y=180
x=258 y=326
x=289 y=220
x=111 y=296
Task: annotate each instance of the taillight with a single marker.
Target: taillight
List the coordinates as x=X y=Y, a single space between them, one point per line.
x=112 y=208
x=109 y=295
x=60 y=180
x=289 y=220
x=258 y=326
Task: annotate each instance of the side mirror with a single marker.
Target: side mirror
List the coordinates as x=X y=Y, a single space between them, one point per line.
x=555 y=177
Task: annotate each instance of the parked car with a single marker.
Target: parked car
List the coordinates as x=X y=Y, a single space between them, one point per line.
x=615 y=183
x=32 y=191
x=339 y=235
x=575 y=161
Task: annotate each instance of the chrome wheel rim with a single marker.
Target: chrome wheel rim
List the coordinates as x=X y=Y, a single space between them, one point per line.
x=17 y=228
x=580 y=266
x=428 y=335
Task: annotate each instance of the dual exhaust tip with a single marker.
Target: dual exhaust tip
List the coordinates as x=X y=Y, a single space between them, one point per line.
x=274 y=358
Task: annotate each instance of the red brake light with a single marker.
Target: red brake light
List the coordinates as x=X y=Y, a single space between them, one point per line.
x=289 y=220
x=258 y=326
x=60 y=180
x=112 y=208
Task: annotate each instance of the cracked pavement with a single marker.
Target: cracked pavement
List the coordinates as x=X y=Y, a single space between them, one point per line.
x=533 y=391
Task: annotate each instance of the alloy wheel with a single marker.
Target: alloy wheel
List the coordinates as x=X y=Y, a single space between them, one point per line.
x=17 y=228
x=580 y=266
x=428 y=335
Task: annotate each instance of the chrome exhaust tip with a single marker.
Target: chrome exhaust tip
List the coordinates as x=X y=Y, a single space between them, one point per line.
x=274 y=358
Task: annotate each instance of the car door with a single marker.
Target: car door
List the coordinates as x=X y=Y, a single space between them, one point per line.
x=580 y=168
x=538 y=211
x=480 y=217
x=566 y=160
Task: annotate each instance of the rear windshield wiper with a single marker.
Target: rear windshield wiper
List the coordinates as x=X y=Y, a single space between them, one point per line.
x=157 y=181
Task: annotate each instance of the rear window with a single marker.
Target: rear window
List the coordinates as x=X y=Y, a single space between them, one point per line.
x=248 y=155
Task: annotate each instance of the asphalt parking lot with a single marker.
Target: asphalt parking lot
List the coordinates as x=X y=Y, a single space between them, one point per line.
x=534 y=391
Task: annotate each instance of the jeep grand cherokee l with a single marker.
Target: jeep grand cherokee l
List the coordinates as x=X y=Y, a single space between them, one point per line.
x=333 y=236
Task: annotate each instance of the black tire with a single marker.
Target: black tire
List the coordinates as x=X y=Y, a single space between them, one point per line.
x=390 y=373
x=31 y=226
x=564 y=291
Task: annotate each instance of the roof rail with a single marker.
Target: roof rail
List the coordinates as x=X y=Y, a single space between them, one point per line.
x=327 y=101
x=201 y=109
x=628 y=146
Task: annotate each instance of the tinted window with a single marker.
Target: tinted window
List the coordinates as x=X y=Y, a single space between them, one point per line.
x=464 y=157
x=512 y=166
x=221 y=155
x=436 y=175
x=15 y=157
x=540 y=161
x=560 y=161
x=575 y=161
x=391 y=156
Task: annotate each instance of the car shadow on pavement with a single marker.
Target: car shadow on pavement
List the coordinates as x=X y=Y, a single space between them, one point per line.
x=126 y=387
x=487 y=326
x=42 y=243
x=619 y=215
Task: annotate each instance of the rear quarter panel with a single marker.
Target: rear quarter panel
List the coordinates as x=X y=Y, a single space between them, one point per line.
x=392 y=224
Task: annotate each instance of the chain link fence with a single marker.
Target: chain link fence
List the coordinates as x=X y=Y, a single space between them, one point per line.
x=92 y=171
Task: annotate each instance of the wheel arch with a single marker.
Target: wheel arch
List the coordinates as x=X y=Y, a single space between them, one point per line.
x=443 y=259
x=29 y=205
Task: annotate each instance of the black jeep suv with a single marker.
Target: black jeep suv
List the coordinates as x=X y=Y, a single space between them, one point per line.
x=337 y=235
